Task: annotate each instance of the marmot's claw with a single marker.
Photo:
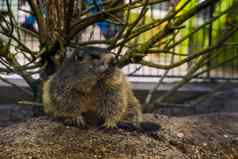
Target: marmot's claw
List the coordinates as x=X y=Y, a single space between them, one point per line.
x=78 y=121
x=109 y=125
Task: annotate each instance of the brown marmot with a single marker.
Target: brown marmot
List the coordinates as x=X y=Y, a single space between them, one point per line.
x=87 y=83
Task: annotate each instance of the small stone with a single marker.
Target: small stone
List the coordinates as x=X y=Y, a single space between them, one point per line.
x=180 y=135
x=226 y=136
x=204 y=144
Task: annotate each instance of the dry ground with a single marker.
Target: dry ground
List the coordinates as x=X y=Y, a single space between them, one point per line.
x=212 y=136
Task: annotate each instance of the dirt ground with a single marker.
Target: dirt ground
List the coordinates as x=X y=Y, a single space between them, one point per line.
x=210 y=136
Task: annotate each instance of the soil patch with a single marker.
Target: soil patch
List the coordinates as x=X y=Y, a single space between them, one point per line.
x=211 y=136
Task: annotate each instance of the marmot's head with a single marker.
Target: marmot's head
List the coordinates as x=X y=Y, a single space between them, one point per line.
x=84 y=68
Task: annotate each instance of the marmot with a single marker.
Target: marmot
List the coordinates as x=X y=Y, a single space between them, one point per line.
x=87 y=83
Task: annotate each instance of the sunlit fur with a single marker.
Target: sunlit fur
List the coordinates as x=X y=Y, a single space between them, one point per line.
x=109 y=98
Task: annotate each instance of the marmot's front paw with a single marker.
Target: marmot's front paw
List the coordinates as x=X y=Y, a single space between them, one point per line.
x=78 y=121
x=110 y=125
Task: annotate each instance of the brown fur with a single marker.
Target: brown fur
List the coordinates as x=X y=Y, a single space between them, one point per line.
x=103 y=92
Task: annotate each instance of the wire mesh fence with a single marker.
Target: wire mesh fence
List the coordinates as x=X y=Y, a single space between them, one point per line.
x=227 y=71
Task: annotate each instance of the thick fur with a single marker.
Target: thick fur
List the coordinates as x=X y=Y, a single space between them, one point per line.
x=113 y=98
x=89 y=90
